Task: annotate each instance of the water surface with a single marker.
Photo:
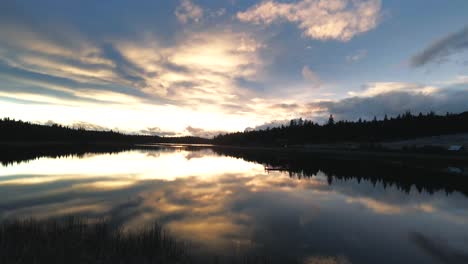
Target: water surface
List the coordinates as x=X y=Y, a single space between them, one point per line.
x=229 y=206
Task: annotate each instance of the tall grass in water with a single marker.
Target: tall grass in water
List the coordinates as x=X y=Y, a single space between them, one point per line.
x=75 y=240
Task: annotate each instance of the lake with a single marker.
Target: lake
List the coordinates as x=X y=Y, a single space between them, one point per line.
x=228 y=203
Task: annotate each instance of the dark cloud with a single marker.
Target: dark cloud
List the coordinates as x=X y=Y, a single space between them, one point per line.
x=237 y=108
x=36 y=82
x=123 y=67
x=394 y=103
x=156 y=131
x=89 y=126
x=286 y=106
x=441 y=49
x=439 y=250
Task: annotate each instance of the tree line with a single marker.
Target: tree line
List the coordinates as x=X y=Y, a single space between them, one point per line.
x=300 y=131
x=19 y=131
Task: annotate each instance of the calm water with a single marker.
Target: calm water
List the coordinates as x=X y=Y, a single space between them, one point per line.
x=229 y=206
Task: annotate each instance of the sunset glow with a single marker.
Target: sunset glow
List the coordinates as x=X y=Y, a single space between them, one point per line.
x=197 y=67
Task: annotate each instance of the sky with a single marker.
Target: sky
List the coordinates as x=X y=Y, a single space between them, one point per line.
x=201 y=67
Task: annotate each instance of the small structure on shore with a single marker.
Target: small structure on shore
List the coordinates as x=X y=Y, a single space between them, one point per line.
x=456 y=148
x=283 y=142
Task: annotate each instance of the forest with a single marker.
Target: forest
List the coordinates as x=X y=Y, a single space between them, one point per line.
x=19 y=131
x=299 y=131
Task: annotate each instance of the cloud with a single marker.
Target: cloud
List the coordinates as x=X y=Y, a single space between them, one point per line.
x=443 y=48
x=376 y=101
x=217 y=13
x=376 y=206
x=373 y=89
x=459 y=80
x=202 y=68
x=200 y=132
x=359 y=55
x=213 y=77
x=272 y=124
x=311 y=76
x=205 y=73
x=88 y=126
x=188 y=11
x=438 y=249
x=183 y=197
x=285 y=106
x=156 y=131
x=327 y=260
x=199 y=70
x=324 y=20
x=65 y=66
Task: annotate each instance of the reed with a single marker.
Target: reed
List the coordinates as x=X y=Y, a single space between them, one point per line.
x=77 y=240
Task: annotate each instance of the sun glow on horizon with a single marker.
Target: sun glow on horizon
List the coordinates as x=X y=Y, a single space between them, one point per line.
x=131 y=166
x=200 y=68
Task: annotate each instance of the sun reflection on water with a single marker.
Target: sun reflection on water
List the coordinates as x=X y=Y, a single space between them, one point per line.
x=131 y=166
x=230 y=205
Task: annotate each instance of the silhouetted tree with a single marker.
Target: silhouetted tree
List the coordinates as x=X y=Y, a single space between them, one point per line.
x=331 y=121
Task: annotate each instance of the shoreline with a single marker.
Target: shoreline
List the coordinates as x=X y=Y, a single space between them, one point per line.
x=331 y=152
x=337 y=151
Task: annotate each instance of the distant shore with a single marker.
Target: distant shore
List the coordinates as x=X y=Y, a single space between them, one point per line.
x=334 y=151
x=60 y=143
x=337 y=152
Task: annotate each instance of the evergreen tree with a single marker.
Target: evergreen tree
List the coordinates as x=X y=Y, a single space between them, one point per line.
x=331 y=120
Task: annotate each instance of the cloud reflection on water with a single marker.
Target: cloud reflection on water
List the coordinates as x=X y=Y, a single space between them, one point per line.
x=233 y=206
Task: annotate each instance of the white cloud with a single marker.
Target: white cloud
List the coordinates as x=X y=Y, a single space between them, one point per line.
x=200 y=132
x=460 y=79
x=357 y=56
x=188 y=11
x=202 y=67
x=311 y=76
x=272 y=124
x=199 y=73
x=374 y=89
x=200 y=70
x=218 y=13
x=319 y=19
x=195 y=78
